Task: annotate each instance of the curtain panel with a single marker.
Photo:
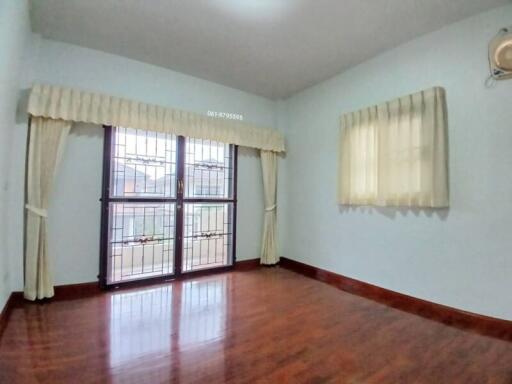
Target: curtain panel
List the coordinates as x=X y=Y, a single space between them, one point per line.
x=396 y=153
x=76 y=105
x=269 y=254
x=47 y=138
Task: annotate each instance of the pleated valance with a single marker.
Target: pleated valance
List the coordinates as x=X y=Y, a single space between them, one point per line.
x=77 y=105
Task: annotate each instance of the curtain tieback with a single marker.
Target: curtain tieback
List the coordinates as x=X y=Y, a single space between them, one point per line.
x=38 y=211
x=271 y=208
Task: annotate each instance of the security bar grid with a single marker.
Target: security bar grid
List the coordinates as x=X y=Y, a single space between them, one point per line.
x=169 y=205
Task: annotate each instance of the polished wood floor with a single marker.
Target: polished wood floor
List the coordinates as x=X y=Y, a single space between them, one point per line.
x=261 y=326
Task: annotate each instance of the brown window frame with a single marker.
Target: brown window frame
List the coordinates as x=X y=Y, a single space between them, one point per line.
x=179 y=200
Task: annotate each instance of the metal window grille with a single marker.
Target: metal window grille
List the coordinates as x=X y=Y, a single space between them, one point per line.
x=169 y=205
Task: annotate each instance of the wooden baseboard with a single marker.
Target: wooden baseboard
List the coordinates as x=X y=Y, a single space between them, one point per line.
x=81 y=290
x=76 y=291
x=485 y=325
x=15 y=299
x=247 y=265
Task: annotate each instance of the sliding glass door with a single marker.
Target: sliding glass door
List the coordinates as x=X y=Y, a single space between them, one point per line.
x=209 y=204
x=169 y=206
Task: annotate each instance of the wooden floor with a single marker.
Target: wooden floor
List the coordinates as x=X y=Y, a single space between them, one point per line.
x=261 y=326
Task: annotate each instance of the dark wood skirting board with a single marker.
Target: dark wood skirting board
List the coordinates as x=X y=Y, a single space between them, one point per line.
x=247 y=265
x=62 y=292
x=14 y=299
x=81 y=290
x=485 y=325
x=242 y=265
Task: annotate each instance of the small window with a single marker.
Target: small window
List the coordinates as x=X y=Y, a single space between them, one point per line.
x=395 y=154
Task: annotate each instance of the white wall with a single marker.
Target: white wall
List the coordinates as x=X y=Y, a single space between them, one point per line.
x=459 y=257
x=14 y=31
x=74 y=214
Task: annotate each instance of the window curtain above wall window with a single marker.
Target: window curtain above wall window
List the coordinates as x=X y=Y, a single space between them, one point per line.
x=396 y=153
x=53 y=109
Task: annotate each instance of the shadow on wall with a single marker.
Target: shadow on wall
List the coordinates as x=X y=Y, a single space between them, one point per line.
x=87 y=130
x=248 y=152
x=393 y=212
x=21 y=110
x=255 y=153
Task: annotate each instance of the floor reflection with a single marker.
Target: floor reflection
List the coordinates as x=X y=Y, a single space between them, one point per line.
x=184 y=319
x=203 y=312
x=140 y=324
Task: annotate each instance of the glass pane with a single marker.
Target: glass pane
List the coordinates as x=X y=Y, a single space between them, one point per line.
x=208 y=169
x=141 y=240
x=207 y=236
x=143 y=164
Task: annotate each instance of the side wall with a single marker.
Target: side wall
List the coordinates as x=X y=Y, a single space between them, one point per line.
x=14 y=32
x=75 y=210
x=459 y=257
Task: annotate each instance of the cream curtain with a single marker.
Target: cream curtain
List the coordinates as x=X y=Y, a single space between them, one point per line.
x=47 y=139
x=53 y=109
x=81 y=106
x=269 y=242
x=395 y=154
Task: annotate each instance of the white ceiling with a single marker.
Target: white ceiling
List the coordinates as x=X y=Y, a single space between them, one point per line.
x=273 y=48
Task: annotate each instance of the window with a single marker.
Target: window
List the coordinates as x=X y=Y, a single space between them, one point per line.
x=169 y=205
x=396 y=153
